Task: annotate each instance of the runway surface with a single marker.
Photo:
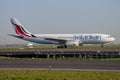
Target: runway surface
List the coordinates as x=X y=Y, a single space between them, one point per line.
x=62 y=64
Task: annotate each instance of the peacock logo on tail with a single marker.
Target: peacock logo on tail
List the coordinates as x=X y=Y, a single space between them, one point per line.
x=19 y=28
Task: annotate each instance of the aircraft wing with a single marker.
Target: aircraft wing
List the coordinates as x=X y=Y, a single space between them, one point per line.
x=57 y=39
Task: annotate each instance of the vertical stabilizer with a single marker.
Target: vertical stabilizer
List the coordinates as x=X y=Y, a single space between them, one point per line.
x=19 y=28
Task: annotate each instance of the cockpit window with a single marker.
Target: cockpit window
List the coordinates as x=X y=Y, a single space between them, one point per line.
x=108 y=36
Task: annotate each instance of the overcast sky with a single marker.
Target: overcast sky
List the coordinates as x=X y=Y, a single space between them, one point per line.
x=60 y=16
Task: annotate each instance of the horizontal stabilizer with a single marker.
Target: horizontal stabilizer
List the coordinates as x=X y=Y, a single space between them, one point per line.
x=17 y=36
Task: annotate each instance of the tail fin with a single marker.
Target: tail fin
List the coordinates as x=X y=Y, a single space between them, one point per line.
x=19 y=28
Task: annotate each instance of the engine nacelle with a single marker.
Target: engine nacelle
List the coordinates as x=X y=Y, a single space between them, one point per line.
x=72 y=43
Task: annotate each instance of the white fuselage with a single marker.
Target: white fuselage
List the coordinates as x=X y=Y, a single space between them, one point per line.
x=82 y=38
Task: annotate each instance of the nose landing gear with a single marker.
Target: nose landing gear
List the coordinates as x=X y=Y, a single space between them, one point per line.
x=102 y=45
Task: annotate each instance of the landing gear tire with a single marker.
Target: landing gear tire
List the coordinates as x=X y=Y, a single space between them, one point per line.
x=62 y=46
x=65 y=46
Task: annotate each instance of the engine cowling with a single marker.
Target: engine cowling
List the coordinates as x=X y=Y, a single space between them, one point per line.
x=72 y=43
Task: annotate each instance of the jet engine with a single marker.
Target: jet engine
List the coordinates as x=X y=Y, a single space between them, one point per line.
x=72 y=43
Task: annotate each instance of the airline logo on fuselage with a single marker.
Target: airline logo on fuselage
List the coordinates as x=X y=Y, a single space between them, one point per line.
x=86 y=37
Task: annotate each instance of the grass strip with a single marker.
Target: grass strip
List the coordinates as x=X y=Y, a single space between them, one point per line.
x=56 y=75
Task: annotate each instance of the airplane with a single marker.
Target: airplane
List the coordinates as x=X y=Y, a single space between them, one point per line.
x=60 y=40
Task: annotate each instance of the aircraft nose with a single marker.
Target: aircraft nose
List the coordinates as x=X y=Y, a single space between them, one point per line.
x=112 y=39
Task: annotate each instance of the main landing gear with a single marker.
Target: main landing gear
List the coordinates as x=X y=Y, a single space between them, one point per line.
x=62 y=46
